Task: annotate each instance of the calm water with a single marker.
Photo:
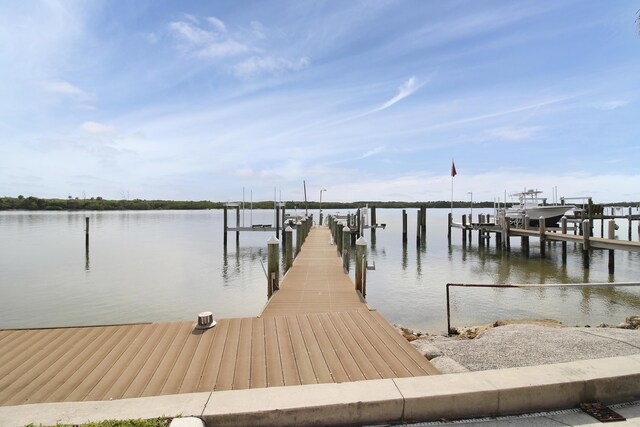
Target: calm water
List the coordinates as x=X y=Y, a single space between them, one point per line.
x=171 y=265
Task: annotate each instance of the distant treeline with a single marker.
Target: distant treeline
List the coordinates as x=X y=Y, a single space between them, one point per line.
x=99 y=204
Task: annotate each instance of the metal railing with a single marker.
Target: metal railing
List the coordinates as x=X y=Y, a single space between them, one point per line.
x=532 y=285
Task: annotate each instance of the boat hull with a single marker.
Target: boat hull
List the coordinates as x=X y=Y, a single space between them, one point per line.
x=551 y=215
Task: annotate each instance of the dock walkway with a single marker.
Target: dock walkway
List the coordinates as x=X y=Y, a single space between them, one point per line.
x=315 y=329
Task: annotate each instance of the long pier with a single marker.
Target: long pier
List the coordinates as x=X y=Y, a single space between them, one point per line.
x=317 y=328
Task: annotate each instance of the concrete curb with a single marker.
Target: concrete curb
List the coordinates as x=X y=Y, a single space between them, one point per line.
x=454 y=396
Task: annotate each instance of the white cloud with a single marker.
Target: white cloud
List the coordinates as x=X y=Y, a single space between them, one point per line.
x=514 y=134
x=408 y=88
x=205 y=42
x=372 y=152
x=256 y=65
x=217 y=23
x=65 y=88
x=97 y=128
x=612 y=105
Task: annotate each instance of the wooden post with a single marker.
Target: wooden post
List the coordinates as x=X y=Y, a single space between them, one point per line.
x=346 y=237
x=630 y=224
x=507 y=228
x=361 y=264
x=358 y=223
x=273 y=270
x=418 y=227
x=590 y=215
x=404 y=226
x=525 y=239
x=277 y=222
x=464 y=229
x=288 y=252
x=238 y=224
x=86 y=232
x=298 y=237
x=339 y=237
x=543 y=237
x=563 y=230
x=374 y=221
x=226 y=226
x=586 y=234
x=423 y=223
x=480 y=241
x=449 y=220
x=611 y=235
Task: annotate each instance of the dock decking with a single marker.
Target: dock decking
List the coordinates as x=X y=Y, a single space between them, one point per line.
x=315 y=329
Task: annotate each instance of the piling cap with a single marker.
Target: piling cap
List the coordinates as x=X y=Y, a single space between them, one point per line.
x=205 y=320
x=346 y=229
x=361 y=241
x=273 y=240
x=288 y=229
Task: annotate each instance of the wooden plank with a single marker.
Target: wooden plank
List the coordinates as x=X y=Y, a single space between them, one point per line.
x=23 y=354
x=365 y=365
x=181 y=365
x=193 y=375
x=287 y=357
x=303 y=361
x=113 y=354
x=134 y=362
x=385 y=347
x=275 y=377
x=137 y=386
x=228 y=363
x=67 y=378
x=316 y=356
x=118 y=365
x=212 y=364
x=419 y=359
x=348 y=362
x=370 y=351
x=33 y=379
x=258 y=355
x=242 y=377
x=329 y=353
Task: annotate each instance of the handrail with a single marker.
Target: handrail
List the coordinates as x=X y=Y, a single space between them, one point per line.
x=527 y=285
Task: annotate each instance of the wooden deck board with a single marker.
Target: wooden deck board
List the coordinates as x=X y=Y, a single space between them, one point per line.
x=315 y=329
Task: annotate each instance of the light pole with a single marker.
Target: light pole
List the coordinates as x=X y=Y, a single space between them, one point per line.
x=471 y=193
x=320 y=213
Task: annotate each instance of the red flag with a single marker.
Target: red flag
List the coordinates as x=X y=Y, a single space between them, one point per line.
x=453 y=169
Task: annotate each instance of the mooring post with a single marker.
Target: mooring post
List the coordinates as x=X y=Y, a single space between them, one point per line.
x=86 y=231
x=418 y=227
x=287 y=234
x=404 y=226
x=226 y=226
x=374 y=221
x=449 y=221
x=298 y=237
x=563 y=230
x=238 y=224
x=543 y=236
x=277 y=222
x=630 y=224
x=358 y=223
x=464 y=229
x=586 y=234
x=611 y=235
x=339 y=237
x=423 y=223
x=361 y=264
x=273 y=263
x=345 y=247
x=525 y=239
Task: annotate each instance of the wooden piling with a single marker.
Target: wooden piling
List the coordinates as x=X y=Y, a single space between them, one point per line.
x=563 y=230
x=464 y=229
x=86 y=232
x=423 y=224
x=543 y=237
x=273 y=270
x=346 y=237
x=404 y=226
x=238 y=224
x=611 y=234
x=339 y=237
x=277 y=222
x=226 y=225
x=630 y=224
x=586 y=234
x=449 y=220
x=287 y=235
x=418 y=227
x=298 y=237
x=361 y=265
x=525 y=239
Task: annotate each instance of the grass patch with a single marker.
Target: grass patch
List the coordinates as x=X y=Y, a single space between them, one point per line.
x=155 y=422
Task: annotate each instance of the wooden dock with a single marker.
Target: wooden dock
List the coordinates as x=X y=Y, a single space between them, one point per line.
x=315 y=329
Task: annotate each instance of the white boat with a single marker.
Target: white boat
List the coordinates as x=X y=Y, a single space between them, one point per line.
x=531 y=205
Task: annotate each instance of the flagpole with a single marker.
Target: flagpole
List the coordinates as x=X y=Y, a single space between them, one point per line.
x=452 y=175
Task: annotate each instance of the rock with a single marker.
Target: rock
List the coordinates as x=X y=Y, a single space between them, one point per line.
x=625 y=325
x=447 y=365
x=634 y=321
x=427 y=349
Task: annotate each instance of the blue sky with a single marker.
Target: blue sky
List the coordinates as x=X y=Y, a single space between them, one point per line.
x=368 y=99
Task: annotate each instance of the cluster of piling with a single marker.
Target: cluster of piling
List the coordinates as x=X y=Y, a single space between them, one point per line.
x=346 y=234
x=502 y=228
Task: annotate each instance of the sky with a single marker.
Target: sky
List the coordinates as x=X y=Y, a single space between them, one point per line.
x=370 y=100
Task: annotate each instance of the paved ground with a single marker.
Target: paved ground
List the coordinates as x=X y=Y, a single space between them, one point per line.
x=527 y=345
